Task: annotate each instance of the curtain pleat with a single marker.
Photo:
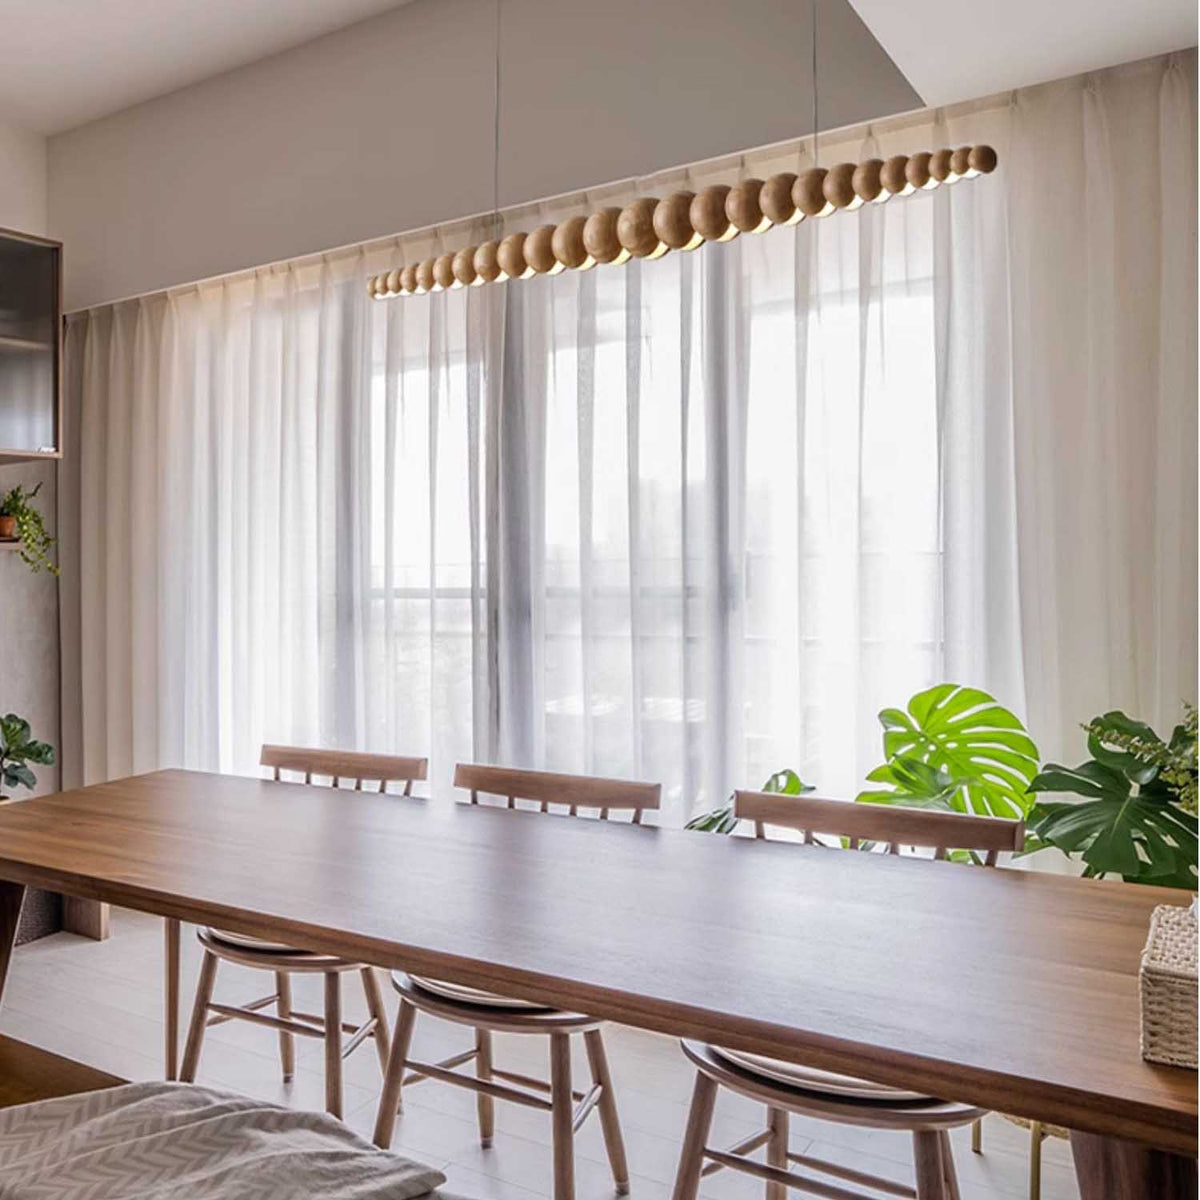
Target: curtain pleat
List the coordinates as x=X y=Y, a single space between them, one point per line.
x=692 y=520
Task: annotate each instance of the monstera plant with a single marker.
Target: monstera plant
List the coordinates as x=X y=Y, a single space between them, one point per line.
x=954 y=748
x=1137 y=815
x=722 y=820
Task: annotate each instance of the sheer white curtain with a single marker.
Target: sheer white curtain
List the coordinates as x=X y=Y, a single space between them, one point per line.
x=690 y=520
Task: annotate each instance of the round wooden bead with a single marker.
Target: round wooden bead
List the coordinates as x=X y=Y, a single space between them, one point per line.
x=600 y=235
x=916 y=170
x=393 y=282
x=892 y=174
x=742 y=206
x=511 y=255
x=982 y=159
x=635 y=227
x=960 y=162
x=939 y=165
x=443 y=271
x=839 y=185
x=539 y=253
x=673 y=221
x=487 y=262
x=425 y=275
x=371 y=284
x=809 y=192
x=776 y=198
x=408 y=279
x=567 y=243
x=867 y=180
x=707 y=213
x=464 y=266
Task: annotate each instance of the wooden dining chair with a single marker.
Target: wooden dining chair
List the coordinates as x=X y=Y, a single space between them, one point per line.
x=489 y=1012
x=376 y=771
x=786 y=1087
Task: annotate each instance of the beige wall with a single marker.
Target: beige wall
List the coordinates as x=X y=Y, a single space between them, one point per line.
x=387 y=126
x=29 y=645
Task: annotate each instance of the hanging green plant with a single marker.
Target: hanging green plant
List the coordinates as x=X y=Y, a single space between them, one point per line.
x=24 y=522
x=955 y=748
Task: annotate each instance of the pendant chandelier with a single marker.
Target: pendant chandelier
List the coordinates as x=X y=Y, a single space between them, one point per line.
x=650 y=227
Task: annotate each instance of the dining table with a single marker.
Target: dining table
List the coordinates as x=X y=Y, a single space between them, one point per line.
x=1014 y=990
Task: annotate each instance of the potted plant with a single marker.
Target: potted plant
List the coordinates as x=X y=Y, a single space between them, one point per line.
x=18 y=749
x=21 y=521
x=1137 y=815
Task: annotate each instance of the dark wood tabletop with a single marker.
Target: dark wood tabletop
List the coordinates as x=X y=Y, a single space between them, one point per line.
x=1010 y=989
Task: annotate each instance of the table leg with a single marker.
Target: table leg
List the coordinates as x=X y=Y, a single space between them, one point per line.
x=1111 y=1169
x=171 y=996
x=12 y=896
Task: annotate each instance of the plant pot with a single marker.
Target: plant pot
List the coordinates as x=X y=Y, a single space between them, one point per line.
x=8 y=528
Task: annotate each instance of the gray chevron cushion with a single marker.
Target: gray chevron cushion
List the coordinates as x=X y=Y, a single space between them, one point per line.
x=165 y=1141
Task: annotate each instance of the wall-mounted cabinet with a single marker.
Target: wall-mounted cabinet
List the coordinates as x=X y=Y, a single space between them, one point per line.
x=30 y=346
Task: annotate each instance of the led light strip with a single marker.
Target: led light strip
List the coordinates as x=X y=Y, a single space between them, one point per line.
x=649 y=227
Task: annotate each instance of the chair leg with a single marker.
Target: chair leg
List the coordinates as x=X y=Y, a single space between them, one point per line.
x=287 y=1041
x=333 y=1044
x=1035 y=1160
x=777 y=1149
x=927 y=1159
x=195 y=1037
x=977 y=1137
x=610 y=1124
x=691 y=1157
x=485 y=1106
x=951 y=1175
x=393 y=1077
x=562 y=1113
x=171 y=996
x=376 y=1009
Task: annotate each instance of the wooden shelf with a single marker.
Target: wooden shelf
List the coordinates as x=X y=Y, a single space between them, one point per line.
x=9 y=543
x=16 y=345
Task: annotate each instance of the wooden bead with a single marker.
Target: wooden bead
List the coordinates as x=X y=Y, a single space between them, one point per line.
x=776 y=198
x=673 y=221
x=892 y=174
x=425 y=275
x=635 y=227
x=939 y=165
x=839 y=185
x=707 y=213
x=742 y=206
x=809 y=192
x=960 y=163
x=464 y=266
x=916 y=171
x=487 y=262
x=982 y=159
x=443 y=271
x=867 y=180
x=393 y=282
x=600 y=235
x=539 y=253
x=511 y=256
x=372 y=283
x=408 y=279
x=567 y=243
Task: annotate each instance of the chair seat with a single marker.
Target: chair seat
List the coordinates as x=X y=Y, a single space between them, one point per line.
x=245 y=941
x=470 y=995
x=813 y=1079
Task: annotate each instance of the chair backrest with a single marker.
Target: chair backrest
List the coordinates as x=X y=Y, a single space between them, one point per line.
x=338 y=765
x=888 y=824
x=549 y=787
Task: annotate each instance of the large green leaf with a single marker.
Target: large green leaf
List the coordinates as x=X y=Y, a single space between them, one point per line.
x=979 y=753
x=1119 y=828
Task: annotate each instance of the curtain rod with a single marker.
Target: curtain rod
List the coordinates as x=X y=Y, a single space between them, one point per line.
x=896 y=122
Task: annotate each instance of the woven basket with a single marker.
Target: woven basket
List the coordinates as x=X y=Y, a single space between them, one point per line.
x=1168 y=988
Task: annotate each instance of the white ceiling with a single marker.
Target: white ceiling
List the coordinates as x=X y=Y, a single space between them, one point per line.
x=961 y=49
x=66 y=62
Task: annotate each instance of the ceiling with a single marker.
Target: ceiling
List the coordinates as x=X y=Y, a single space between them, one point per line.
x=960 y=49
x=66 y=62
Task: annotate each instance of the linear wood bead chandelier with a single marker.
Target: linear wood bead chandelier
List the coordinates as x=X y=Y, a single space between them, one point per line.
x=649 y=227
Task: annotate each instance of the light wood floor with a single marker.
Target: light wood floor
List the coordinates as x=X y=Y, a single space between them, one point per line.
x=101 y=1003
